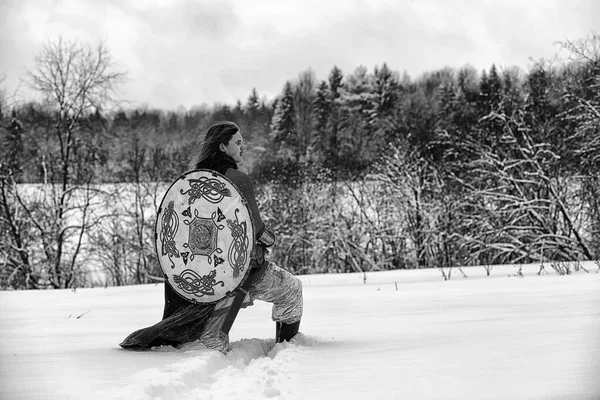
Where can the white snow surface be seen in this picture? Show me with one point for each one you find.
(399, 335)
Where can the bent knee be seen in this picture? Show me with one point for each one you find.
(293, 286)
(296, 300)
(297, 286)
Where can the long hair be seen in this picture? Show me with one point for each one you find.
(221, 132)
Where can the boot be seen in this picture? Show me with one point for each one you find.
(284, 332)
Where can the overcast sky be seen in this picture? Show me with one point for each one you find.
(189, 52)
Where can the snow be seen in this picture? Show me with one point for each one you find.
(399, 335)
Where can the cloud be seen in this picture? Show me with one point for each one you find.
(15, 42)
(188, 52)
(372, 36)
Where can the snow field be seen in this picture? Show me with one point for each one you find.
(400, 335)
(252, 369)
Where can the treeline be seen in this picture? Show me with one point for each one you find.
(356, 172)
(117, 147)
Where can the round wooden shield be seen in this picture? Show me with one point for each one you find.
(204, 236)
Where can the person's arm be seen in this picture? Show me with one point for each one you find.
(267, 238)
(244, 184)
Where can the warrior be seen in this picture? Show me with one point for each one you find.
(184, 321)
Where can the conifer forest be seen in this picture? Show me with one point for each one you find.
(356, 171)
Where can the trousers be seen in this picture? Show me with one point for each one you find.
(275, 285)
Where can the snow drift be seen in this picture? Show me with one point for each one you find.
(399, 335)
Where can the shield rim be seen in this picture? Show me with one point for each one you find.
(252, 248)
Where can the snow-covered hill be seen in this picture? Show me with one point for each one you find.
(400, 335)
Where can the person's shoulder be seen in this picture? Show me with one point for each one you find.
(238, 177)
(237, 173)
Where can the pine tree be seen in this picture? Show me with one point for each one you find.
(322, 107)
(304, 96)
(495, 87)
(252, 114)
(13, 149)
(467, 84)
(359, 116)
(335, 87)
(252, 105)
(484, 93)
(386, 96)
(490, 89)
(446, 134)
(386, 88)
(283, 123)
(511, 93)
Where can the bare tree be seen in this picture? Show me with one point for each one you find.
(414, 188)
(15, 264)
(75, 80)
(582, 95)
(519, 211)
